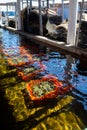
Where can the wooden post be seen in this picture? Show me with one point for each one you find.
(72, 20)
(16, 23)
(48, 4)
(7, 15)
(77, 36)
(19, 15)
(30, 5)
(27, 8)
(27, 15)
(40, 18)
(43, 3)
(62, 11)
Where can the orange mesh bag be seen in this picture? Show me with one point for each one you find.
(19, 60)
(12, 51)
(27, 72)
(17, 56)
(46, 88)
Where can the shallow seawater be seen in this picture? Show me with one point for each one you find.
(68, 111)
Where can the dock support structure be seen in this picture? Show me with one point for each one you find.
(40, 19)
(30, 5)
(19, 15)
(47, 4)
(72, 21)
(62, 11)
(7, 14)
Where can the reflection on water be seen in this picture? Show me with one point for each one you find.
(18, 112)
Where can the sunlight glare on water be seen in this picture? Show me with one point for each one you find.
(68, 111)
(10, 40)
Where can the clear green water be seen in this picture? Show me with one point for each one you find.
(18, 112)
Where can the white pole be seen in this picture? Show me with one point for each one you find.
(19, 14)
(22, 4)
(72, 20)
